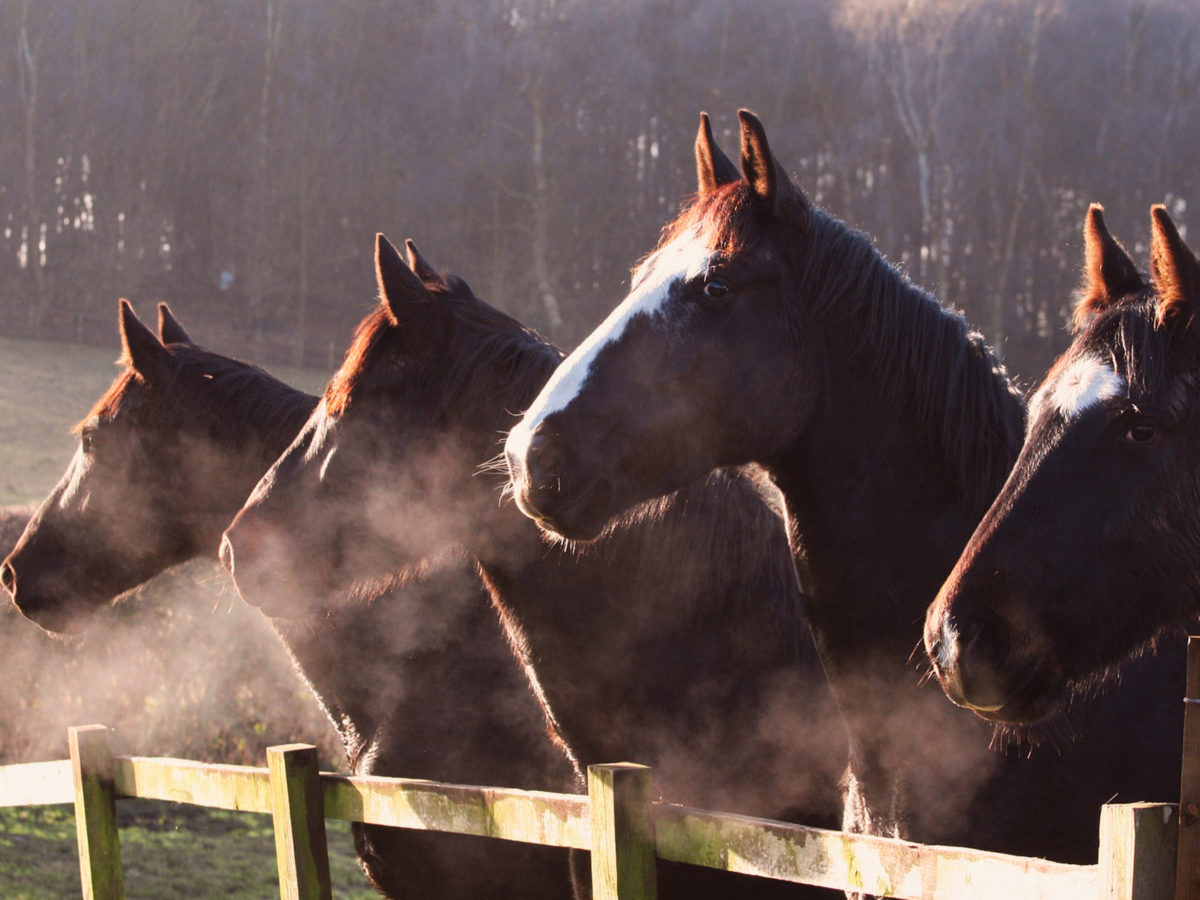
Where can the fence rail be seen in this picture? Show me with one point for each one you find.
(625, 832)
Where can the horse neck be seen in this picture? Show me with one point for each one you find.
(915, 430)
(272, 423)
(681, 573)
(390, 674)
(912, 437)
(238, 422)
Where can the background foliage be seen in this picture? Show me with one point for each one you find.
(236, 158)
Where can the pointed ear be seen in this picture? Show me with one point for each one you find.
(1174, 269)
(169, 329)
(766, 176)
(420, 266)
(398, 286)
(1109, 274)
(713, 167)
(140, 349)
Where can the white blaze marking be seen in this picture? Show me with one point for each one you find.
(684, 258)
(1085, 383)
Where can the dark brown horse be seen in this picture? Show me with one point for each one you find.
(763, 330)
(166, 458)
(676, 640)
(1091, 553)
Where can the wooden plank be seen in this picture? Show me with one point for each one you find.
(96, 813)
(299, 812)
(623, 854)
(37, 784)
(1187, 884)
(536, 817)
(245, 788)
(1137, 851)
(861, 863)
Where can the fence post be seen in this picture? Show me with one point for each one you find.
(298, 808)
(1137, 851)
(623, 853)
(1187, 883)
(96, 813)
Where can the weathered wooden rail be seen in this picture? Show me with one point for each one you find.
(1147, 851)
(617, 821)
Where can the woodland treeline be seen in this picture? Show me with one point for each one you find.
(236, 157)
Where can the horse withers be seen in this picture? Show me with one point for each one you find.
(1091, 553)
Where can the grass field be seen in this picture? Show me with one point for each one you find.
(168, 850)
(45, 388)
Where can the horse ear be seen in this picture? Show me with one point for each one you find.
(398, 285)
(140, 349)
(766, 176)
(420, 266)
(1109, 273)
(1174, 268)
(713, 167)
(169, 329)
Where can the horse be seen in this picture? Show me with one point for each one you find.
(1091, 552)
(677, 639)
(763, 331)
(166, 458)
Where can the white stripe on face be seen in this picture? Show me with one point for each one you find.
(1087, 382)
(684, 258)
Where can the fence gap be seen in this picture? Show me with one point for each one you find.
(96, 813)
(297, 805)
(623, 853)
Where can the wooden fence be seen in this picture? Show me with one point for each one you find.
(1147, 851)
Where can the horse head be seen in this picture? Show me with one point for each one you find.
(111, 521)
(660, 393)
(384, 474)
(1092, 548)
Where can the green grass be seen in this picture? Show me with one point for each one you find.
(45, 388)
(169, 851)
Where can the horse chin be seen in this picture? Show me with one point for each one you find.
(1037, 698)
(581, 518)
(60, 618)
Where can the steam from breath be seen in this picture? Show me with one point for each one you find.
(181, 667)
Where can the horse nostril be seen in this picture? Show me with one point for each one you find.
(987, 637)
(985, 647)
(544, 457)
(8, 577)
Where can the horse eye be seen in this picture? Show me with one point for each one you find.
(87, 440)
(715, 289)
(1141, 433)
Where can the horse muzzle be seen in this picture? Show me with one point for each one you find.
(977, 663)
(547, 491)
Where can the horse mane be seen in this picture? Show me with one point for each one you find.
(498, 364)
(917, 347)
(231, 397)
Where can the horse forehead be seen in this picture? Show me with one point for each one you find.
(1079, 385)
(687, 256)
(71, 492)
